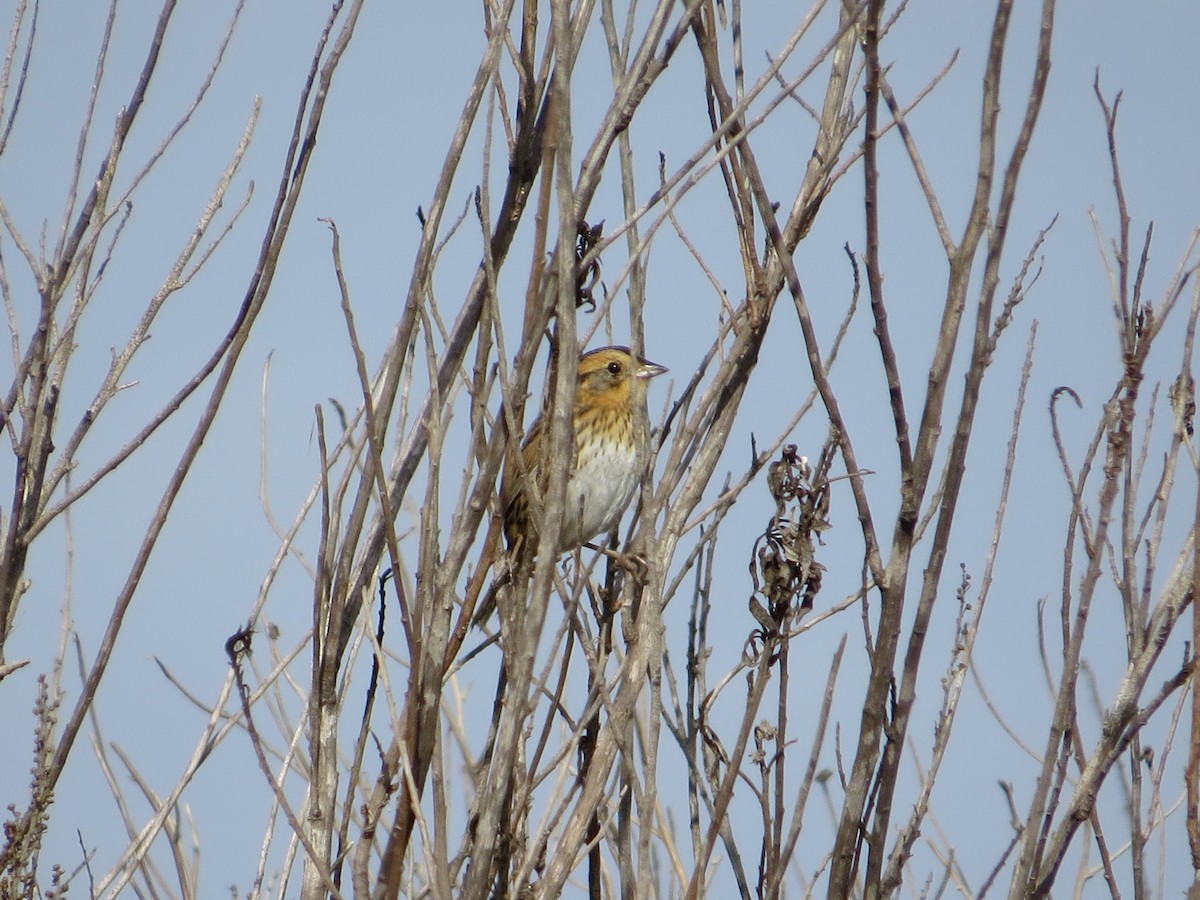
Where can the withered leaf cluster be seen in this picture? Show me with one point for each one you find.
(784, 567)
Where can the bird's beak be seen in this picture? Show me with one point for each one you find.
(648, 370)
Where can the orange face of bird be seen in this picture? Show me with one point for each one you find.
(612, 376)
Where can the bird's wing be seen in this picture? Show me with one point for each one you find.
(512, 486)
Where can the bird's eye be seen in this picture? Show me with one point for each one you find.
(614, 367)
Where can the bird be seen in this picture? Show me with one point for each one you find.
(611, 439)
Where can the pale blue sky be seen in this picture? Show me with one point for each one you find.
(391, 111)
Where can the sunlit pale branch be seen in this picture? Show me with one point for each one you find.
(175, 280)
(306, 125)
(410, 755)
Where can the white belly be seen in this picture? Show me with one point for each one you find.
(601, 487)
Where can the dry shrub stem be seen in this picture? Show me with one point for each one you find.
(570, 781)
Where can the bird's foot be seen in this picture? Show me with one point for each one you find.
(634, 564)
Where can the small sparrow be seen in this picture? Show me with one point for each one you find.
(612, 437)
